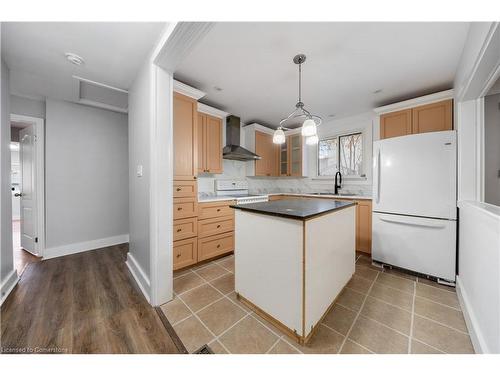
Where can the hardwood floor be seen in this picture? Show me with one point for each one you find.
(81, 303)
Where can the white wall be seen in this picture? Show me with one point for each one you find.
(479, 224)
(150, 200)
(6, 260)
(492, 149)
(86, 177)
(139, 129)
(28, 107)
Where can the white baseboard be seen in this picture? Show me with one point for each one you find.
(470, 320)
(79, 247)
(139, 275)
(8, 284)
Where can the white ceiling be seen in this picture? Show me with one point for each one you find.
(346, 62)
(113, 53)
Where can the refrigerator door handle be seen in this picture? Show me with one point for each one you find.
(403, 222)
(377, 177)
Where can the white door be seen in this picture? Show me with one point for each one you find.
(416, 175)
(418, 244)
(27, 158)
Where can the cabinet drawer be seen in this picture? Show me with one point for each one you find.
(185, 228)
(213, 246)
(184, 189)
(185, 207)
(210, 227)
(214, 209)
(185, 253)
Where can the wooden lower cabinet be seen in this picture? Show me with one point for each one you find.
(185, 252)
(208, 233)
(210, 247)
(364, 226)
(185, 207)
(210, 227)
(185, 228)
(363, 219)
(185, 189)
(214, 209)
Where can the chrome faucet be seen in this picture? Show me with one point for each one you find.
(338, 182)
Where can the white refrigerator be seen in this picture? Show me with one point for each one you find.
(414, 220)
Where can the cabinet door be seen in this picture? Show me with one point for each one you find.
(433, 117)
(213, 144)
(185, 137)
(283, 158)
(395, 124)
(364, 226)
(201, 143)
(185, 253)
(264, 147)
(295, 158)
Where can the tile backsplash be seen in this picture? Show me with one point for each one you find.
(304, 185)
(264, 185)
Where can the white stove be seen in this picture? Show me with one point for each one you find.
(237, 189)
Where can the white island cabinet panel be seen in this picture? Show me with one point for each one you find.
(269, 265)
(329, 261)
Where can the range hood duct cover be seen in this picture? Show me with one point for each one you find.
(233, 150)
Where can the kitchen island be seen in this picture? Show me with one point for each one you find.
(293, 258)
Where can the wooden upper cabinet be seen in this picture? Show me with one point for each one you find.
(267, 150)
(433, 117)
(395, 124)
(209, 144)
(185, 137)
(213, 135)
(201, 144)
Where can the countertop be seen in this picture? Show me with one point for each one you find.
(214, 198)
(295, 208)
(356, 197)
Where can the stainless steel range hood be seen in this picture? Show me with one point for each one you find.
(233, 150)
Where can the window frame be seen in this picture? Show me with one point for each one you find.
(361, 176)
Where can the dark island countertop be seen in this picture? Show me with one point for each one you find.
(299, 209)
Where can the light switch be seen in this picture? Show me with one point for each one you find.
(139, 171)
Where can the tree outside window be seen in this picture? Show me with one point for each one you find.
(343, 153)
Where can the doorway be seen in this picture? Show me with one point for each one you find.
(27, 187)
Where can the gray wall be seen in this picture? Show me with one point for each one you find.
(492, 149)
(27, 107)
(6, 254)
(139, 120)
(86, 173)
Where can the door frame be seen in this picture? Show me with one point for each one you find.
(39, 126)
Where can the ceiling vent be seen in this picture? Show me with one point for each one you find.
(99, 95)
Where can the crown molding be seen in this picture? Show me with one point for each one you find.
(212, 111)
(261, 128)
(187, 90)
(427, 99)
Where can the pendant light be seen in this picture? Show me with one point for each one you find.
(279, 136)
(311, 122)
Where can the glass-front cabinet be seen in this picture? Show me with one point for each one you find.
(290, 156)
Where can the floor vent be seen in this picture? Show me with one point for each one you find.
(205, 349)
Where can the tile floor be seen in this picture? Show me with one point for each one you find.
(377, 312)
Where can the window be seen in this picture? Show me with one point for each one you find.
(343, 153)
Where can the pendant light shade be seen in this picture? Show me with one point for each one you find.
(308, 128)
(279, 136)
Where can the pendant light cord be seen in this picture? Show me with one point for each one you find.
(300, 82)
